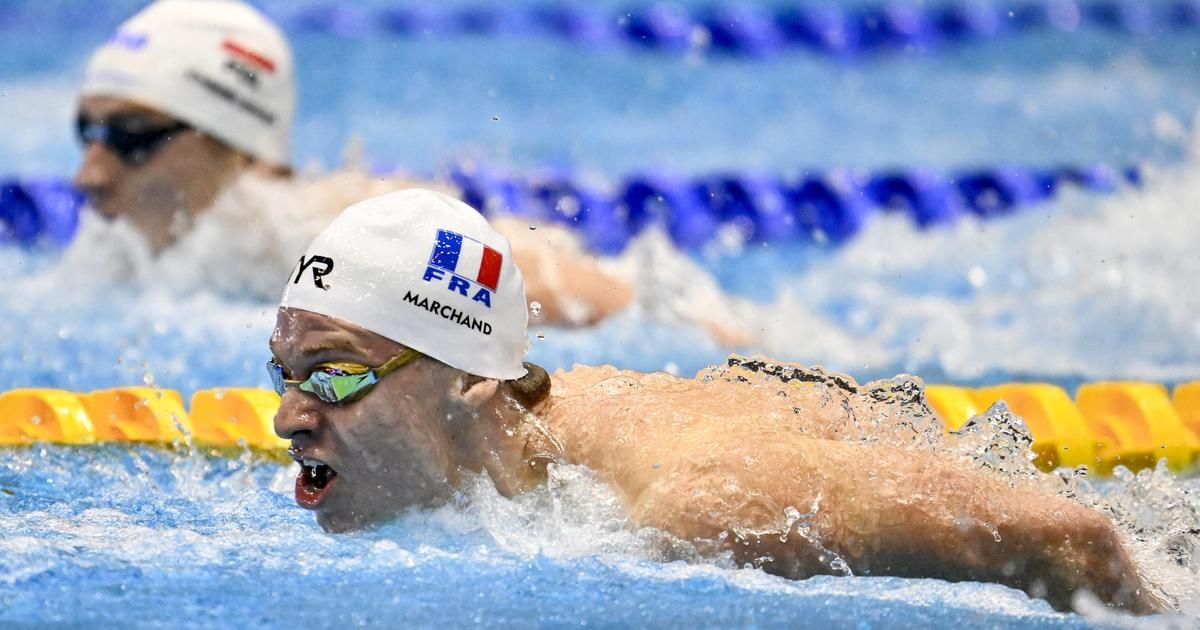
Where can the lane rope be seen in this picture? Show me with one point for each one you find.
(749, 31)
(1111, 423)
(725, 27)
(823, 208)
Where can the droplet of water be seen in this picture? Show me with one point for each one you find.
(977, 277)
(535, 308)
(790, 516)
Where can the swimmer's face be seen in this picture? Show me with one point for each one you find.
(366, 461)
(162, 193)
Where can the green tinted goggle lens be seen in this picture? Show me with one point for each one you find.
(334, 385)
(338, 387)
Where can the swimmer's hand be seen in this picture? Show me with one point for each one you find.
(1087, 555)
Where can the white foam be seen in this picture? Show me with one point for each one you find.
(1090, 286)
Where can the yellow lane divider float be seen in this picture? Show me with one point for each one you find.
(225, 417)
(137, 414)
(1186, 400)
(44, 415)
(221, 418)
(1108, 424)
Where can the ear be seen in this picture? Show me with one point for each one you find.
(474, 392)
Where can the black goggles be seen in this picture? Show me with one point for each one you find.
(130, 137)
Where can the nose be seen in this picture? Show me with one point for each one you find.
(99, 171)
(298, 415)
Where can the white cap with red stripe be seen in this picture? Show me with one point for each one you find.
(425, 270)
(218, 65)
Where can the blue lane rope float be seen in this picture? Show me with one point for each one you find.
(730, 27)
(825, 208)
(38, 210)
(746, 30)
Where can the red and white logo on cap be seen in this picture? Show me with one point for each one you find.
(257, 61)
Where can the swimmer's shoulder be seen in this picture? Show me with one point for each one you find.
(607, 380)
(744, 393)
(737, 371)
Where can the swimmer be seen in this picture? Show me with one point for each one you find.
(183, 99)
(398, 353)
(185, 116)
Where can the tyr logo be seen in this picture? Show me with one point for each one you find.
(321, 266)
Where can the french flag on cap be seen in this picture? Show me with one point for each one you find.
(466, 257)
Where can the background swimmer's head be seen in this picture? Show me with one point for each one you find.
(411, 269)
(186, 96)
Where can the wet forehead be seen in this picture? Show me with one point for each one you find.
(102, 107)
(300, 335)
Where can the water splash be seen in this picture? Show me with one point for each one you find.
(1159, 515)
(888, 411)
(999, 441)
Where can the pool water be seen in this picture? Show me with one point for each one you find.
(1080, 288)
(162, 540)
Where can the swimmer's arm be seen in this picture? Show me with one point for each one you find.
(886, 511)
(573, 288)
(567, 282)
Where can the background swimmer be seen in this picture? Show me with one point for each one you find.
(183, 99)
(185, 116)
(765, 472)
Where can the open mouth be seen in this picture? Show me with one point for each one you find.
(313, 483)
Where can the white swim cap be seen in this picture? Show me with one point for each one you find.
(424, 270)
(218, 65)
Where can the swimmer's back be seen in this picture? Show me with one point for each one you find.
(637, 426)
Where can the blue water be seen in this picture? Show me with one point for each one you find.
(127, 535)
(1041, 99)
(1082, 288)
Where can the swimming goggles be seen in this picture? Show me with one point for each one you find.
(339, 382)
(131, 137)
